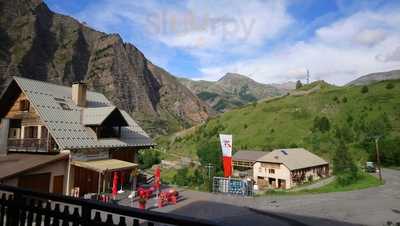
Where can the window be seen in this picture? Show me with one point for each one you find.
(259, 170)
(31, 132)
(64, 106)
(24, 105)
(271, 171)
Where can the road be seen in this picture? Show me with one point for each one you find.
(372, 206)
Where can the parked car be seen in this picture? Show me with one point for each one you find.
(370, 167)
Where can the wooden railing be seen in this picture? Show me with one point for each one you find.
(21, 207)
(28, 144)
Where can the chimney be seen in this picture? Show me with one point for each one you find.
(79, 93)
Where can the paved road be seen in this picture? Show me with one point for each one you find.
(373, 206)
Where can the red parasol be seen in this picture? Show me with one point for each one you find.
(157, 178)
(115, 185)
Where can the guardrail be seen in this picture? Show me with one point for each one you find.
(22, 207)
(31, 144)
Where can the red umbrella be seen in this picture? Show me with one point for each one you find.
(115, 184)
(157, 178)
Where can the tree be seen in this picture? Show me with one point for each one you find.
(321, 124)
(364, 89)
(324, 124)
(343, 165)
(209, 151)
(149, 158)
(299, 84)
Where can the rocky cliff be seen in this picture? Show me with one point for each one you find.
(40, 44)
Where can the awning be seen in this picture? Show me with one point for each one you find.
(106, 165)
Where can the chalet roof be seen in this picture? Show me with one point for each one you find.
(14, 164)
(96, 115)
(66, 122)
(294, 158)
(245, 155)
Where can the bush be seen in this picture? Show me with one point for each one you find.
(364, 89)
(321, 124)
(346, 178)
(389, 86)
(344, 100)
(148, 158)
(181, 177)
(299, 84)
(310, 178)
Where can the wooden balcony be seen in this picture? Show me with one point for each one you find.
(28, 145)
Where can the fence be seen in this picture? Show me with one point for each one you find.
(21, 207)
(233, 186)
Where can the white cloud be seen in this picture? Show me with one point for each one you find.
(362, 43)
(205, 25)
(231, 35)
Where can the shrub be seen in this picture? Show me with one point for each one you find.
(148, 158)
(364, 89)
(299, 84)
(344, 99)
(321, 124)
(389, 86)
(181, 177)
(346, 178)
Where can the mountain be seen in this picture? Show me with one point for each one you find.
(231, 91)
(308, 120)
(376, 77)
(40, 44)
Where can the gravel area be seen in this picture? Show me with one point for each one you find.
(372, 206)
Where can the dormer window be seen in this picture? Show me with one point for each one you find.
(64, 106)
(24, 105)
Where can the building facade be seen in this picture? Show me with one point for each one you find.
(286, 168)
(55, 138)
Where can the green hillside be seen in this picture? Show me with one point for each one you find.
(309, 121)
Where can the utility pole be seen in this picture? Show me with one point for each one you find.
(378, 160)
(308, 76)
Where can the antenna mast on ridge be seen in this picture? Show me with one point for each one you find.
(308, 76)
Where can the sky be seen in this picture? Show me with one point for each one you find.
(269, 41)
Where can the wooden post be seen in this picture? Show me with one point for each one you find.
(99, 184)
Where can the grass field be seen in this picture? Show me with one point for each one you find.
(366, 181)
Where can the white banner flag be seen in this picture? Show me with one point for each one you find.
(226, 144)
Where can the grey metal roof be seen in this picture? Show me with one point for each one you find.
(96, 115)
(66, 126)
(248, 155)
(294, 158)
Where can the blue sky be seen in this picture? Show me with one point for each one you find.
(270, 41)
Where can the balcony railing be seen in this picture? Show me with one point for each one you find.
(27, 144)
(21, 207)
